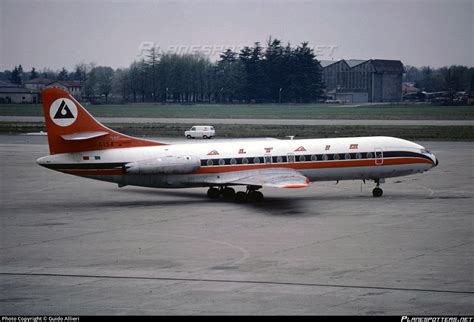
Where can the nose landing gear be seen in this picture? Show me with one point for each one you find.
(378, 192)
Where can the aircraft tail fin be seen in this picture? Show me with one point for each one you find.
(72, 129)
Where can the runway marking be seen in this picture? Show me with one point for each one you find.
(245, 253)
(238, 281)
(431, 191)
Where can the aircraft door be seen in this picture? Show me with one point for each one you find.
(290, 157)
(267, 158)
(378, 156)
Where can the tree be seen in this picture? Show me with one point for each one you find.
(33, 73)
(256, 87)
(63, 75)
(456, 78)
(306, 77)
(275, 68)
(230, 77)
(80, 73)
(49, 74)
(412, 74)
(17, 75)
(90, 83)
(103, 75)
(120, 86)
(152, 63)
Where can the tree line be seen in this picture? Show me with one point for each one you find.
(271, 73)
(274, 73)
(450, 79)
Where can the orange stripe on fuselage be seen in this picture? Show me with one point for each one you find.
(296, 166)
(312, 165)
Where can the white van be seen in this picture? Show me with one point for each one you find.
(200, 131)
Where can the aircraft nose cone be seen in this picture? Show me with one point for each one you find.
(42, 161)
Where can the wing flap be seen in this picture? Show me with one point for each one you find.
(270, 177)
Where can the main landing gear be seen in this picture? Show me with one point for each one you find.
(378, 192)
(228, 193)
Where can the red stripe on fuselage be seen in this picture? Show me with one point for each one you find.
(313, 165)
(296, 166)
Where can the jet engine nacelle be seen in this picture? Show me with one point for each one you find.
(164, 165)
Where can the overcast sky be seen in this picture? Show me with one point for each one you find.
(57, 34)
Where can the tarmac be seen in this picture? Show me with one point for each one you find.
(70, 245)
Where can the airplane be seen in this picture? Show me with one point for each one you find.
(80, 145)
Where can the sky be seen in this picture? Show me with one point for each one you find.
(56, 34)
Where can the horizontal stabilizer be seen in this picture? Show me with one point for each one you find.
(79, 136)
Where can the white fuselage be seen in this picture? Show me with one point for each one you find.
(317, 159)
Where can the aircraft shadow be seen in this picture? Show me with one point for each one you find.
(270, 205)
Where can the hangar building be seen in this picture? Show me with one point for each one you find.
(361, 81)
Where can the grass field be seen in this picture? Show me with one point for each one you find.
(276, 111)
(436, 133)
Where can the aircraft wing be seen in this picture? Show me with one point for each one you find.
(270, 177)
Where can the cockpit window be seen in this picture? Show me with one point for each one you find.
(425, 151)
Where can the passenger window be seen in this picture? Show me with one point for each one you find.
(358, 155)
(302, 158)
(369, 155)
(336, 157)
(279, 159)
(245, 161)
(268, 159)
(347, 156)
(233, 161)
(324, 157)
(256, 160)
(314, 157)
(221, 162)
(291, 158)
(209, 162)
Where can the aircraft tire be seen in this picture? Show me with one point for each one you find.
(377, 192)
(240, 197)
(255, 196)
(213, 193)
(228, 193)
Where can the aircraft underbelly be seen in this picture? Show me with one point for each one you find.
(327, 174)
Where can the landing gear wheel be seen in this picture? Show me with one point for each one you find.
(213, 193)
(255, 196)
(228, 193)
(241, 197)
(377, 192)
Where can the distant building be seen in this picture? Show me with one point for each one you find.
(8, 84)
(409, 88)
(10, 93)
(30, 92)
(73, 87)
(361, 81)
(38, 83)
